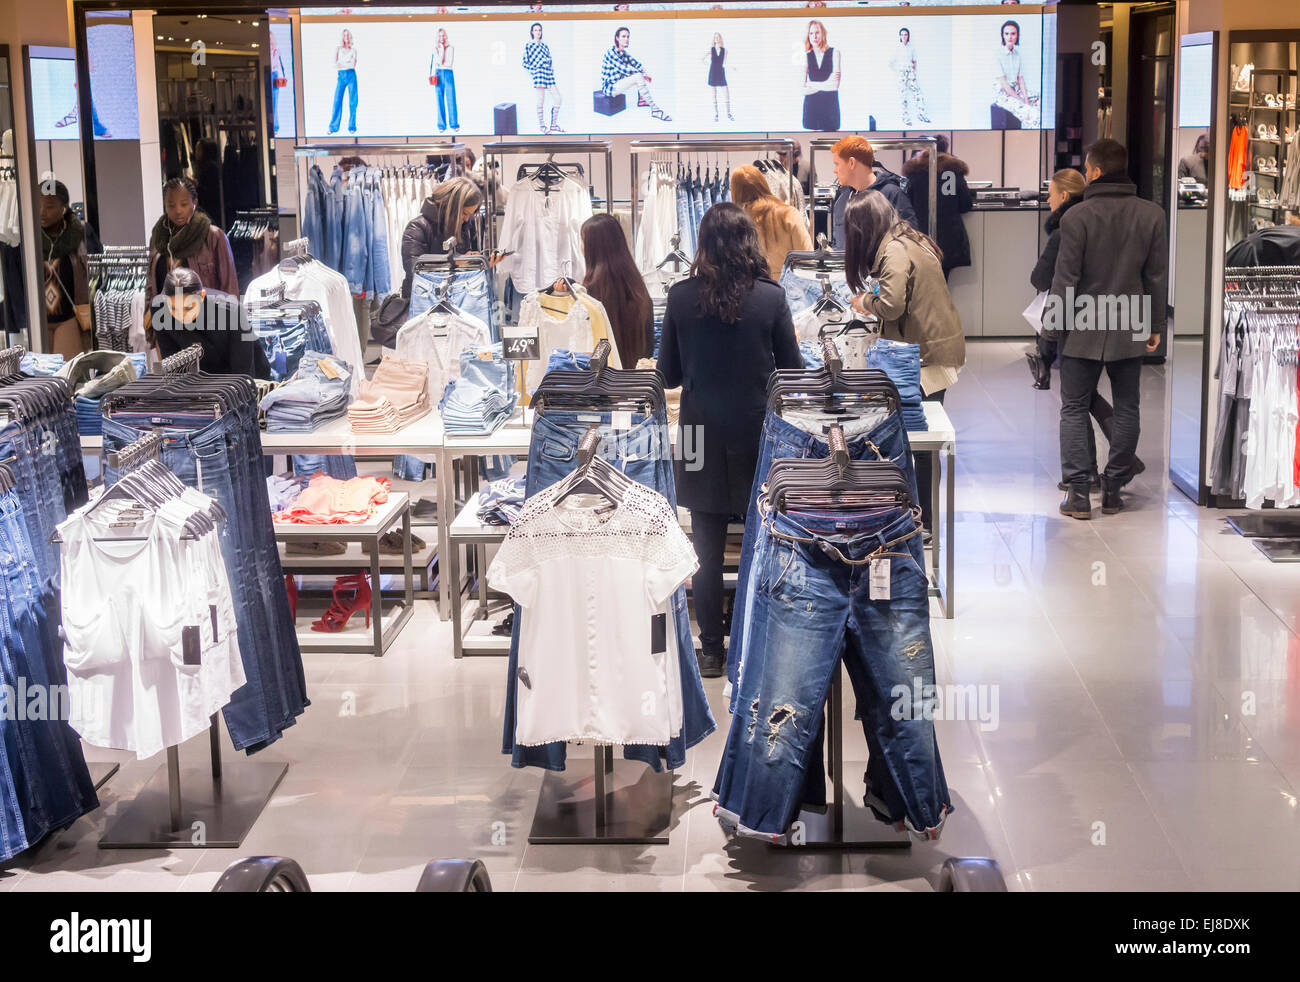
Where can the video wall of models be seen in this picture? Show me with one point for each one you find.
(284, 111)
(415, 76)
(115, 114)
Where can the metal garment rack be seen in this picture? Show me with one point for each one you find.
(623, 803)
(681, 147)
(493, 151)
(219, 815)
(909, 143)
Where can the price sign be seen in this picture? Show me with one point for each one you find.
(520, 343)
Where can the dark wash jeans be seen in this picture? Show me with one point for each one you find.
(810, 606)
(643, 453)
(782, 439)
(224, 460)
(1079, 378)
(51, 785)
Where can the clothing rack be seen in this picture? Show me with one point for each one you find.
(910, 143)
(493, 151)
(184, 362)
(784, 147)
(625, 805)
(11, 360)
(220, 816)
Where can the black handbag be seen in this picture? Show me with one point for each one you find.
(388, 321)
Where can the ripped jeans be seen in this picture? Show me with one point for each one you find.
(812, 603)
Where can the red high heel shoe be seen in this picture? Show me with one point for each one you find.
(291, 588)
(336, 618)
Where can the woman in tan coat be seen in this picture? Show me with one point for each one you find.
(781, 229)
(910, 297)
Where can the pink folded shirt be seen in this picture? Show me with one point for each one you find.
(329, 501)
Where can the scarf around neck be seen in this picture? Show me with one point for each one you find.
(182, 242)
(66, 241)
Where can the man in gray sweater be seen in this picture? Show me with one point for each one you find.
(1107, 308)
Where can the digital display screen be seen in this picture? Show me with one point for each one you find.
(421, 74)
(1194, 80)
(116, 114)
(282, 79)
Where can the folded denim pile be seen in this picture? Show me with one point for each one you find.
(315, 394)
(396, 396)
(284, 490)
(36, 363)
(502, 501)
(94, 374)
(484, 396)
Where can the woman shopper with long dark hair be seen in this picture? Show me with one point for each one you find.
(726, 329)
(185, 236)
(613, 279)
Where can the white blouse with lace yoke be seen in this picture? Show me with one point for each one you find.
(591, 577)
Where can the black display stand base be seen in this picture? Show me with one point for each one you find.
(623, 803)
(217, 812)
(1279, 550)
(1267, 525)
(100, 773)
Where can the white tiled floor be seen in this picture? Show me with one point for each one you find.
(1148, 718)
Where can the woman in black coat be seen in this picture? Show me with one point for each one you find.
(726, 329)
(949, 229)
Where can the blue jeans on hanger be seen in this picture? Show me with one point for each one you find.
(347, 82)
(447, 113)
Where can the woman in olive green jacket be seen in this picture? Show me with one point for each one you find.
(911, 299)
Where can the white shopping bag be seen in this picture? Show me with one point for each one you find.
(1034, 312)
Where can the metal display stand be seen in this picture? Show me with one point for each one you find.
(910, 143)
(100, 773)
(680, 147)
(552, 149)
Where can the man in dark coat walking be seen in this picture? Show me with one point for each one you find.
(953, 198)
(1107, 308)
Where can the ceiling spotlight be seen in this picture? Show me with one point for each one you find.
(255, 44)
(256, 23)
(160, 37)
(187, 40)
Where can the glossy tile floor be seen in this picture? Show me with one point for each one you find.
(1135, 721)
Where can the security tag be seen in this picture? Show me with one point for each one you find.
(190, 648)
(212, 613)
(523, 677)
(658, 634)
(879, 579)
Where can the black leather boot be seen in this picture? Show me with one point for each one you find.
(1111, 502)
(1105, 426)
(1077, 504)
(1041, 372)
(713, 666)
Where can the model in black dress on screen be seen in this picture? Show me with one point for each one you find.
(717, 59)
(821, 101)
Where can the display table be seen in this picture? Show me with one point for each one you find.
(387, 614)
(511, 439)
(940, 441)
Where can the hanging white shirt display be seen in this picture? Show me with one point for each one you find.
(439, 338)
(316, 281)
(150, 638)
(590, 577)
(542, 227)
(573, 332)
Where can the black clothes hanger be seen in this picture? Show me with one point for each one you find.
(600, 387)
(594, 474)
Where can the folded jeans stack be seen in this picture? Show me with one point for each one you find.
(397, 395)
(329, 501)
(502, 501)
(316, 393)
(483, 398)
(897, 359)
(92, 376)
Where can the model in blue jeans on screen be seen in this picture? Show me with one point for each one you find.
(345, 60)
(444, 79)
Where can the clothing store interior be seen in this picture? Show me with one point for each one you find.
(345, 313)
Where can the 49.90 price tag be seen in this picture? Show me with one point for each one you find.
(520, 344)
